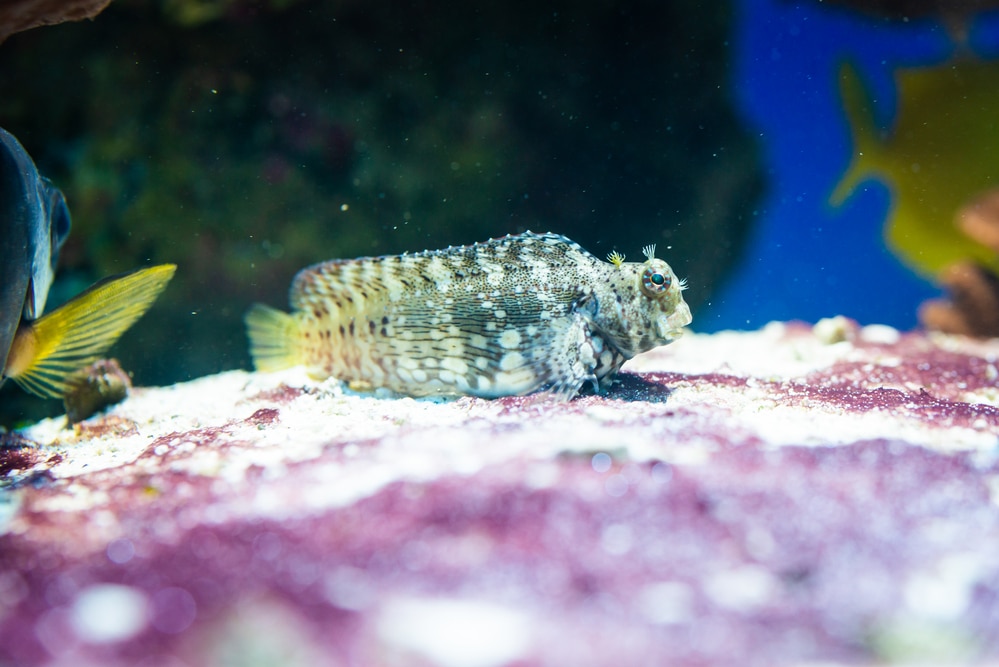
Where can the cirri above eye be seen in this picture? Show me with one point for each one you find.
(655, 282)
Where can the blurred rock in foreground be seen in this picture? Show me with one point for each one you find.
(790, 496)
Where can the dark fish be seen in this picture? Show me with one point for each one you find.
(34, 222)
(42, 353)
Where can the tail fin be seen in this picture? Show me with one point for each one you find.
(47, 351)
(274, 338)
(860, 117)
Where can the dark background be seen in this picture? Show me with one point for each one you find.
(246, 140)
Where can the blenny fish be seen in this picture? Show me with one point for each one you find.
(42, 353)
(510, 316)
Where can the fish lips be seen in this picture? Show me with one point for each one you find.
(671, 326)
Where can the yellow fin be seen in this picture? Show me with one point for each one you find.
(47, 351)
(274, 338)
(860, 115)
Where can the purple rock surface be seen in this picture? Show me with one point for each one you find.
(790, 496)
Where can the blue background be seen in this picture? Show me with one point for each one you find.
(805, 259)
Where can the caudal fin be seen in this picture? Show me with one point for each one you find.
(46, 352)
(274, 338)
(860, 116)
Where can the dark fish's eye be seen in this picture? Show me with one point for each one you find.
(655, 282)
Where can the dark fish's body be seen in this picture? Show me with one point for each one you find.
(511, 316)
(34, 222)
(41, 353)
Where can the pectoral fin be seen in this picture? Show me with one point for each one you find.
(46, 352)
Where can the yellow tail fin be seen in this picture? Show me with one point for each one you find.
(860, 116)
(274, 338)
(47, 351)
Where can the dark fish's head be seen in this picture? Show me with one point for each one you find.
(34, 222)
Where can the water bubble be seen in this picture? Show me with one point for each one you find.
(601, 462)
(174, 609)
(120, 551)
(108, 613)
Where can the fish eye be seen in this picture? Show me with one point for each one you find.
(655, 282)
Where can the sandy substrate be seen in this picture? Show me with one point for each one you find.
(792, 496)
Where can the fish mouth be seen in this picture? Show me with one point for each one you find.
(671, 326)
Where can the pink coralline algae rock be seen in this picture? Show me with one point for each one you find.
(796, 495)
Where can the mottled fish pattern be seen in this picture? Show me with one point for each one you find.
(511, 316)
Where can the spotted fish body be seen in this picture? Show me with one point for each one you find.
(511, 316)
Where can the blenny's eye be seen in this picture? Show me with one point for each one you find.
(655, 282)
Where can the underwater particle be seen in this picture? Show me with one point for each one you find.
(99, 385)
(938, 153)
(511, 316)
(973, 305)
